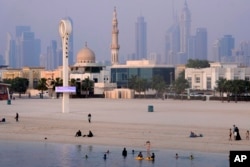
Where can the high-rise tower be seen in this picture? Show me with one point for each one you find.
(141, 38)
(114, 44)
(28, 48)
(227, 44)
(185, 28)
(10, 57)
(201, 44)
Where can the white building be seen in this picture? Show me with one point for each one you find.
(205, 78)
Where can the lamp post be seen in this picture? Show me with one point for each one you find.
(65, 29)
(170, 74)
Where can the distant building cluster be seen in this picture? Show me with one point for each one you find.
(24, 49)
(23, 58)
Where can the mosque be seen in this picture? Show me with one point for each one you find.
(86, 67)
(108, 80)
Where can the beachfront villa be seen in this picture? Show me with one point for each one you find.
(205, 78)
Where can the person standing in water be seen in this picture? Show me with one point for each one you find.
(124, 152)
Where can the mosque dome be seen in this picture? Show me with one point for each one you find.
(85, 55)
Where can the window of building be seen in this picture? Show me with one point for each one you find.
(189, 82)
(209, 83)
(197, 79)
(247, 78)
(236, 77)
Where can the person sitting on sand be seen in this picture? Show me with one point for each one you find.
(90, 134)
(78, 133)
(192, 134)
(3, 120)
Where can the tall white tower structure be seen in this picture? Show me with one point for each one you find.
(65, 29)
(185, 28)
(114, 44)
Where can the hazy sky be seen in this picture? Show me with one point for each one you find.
(93, 21)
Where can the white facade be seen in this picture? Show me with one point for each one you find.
(205, 78)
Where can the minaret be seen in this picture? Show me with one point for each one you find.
(185, 28)
(114, 45)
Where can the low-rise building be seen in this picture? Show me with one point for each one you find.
(206, 78)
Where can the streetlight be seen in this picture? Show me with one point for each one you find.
(170, 78)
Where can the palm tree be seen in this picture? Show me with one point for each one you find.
(55, 83)
(72, 83)
(221, 86)
(87, 86)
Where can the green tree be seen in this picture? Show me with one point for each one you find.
(180, 84)
(87, 86)
(197, 63)
(222, 86)
(132, 82)
(159, 85)
(42, 86)
(73, 83)
(19, 85)
(55, 83)
(138, 84)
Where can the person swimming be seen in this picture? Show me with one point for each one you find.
(176, 156)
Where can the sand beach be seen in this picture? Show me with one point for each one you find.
(127, 123)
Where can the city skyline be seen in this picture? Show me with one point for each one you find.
(92, 24)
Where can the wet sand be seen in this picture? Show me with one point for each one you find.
(127, 123)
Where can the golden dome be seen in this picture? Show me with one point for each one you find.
(85, 55)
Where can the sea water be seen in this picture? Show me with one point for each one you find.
(46, 154)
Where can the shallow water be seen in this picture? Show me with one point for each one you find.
(42, 154)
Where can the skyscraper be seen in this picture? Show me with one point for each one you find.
(185, 28)
(28, 48)
(52, 61)
(172, 46)
(141, 38)
(21, 29)
(10, 57)
(114, 44)
(191, 52)
(227, 44)
(216, 51)
(201, 44)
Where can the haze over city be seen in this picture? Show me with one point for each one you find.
(92, 21)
